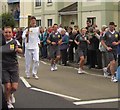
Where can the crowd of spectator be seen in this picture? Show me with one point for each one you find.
(95, 54)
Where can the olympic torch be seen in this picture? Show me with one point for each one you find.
(28, 28)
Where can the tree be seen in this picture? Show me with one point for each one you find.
(7, 20)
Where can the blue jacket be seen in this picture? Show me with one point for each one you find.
(65, 41)
(43, 38)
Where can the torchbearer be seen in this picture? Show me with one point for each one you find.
(31, 47)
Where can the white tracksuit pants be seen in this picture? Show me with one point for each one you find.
(31, 55)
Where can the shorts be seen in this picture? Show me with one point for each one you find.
(112, 55)
(82, 53)
(10, 75)
(54, 51)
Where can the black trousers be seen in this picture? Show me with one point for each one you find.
(70, 53)
(88, 58)
(99, 59)
(64, 56)
(92, 58)
(44, 51)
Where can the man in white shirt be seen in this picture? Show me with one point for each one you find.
(32, 47)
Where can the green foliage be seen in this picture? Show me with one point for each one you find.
(7, 20)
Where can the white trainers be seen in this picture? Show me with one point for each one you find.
(28, 77)
(12, 98)
(52, 68)
(10, 106)
(35, 76)
(105, 72)
(113, 79)
(80, 71)
(55, 67)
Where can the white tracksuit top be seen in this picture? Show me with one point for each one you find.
(33, 38)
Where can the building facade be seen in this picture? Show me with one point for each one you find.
(49, 12)
(99, 12)
(3, 6)
(45, 11)
(11, 6)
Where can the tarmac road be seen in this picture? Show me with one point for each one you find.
(66, 89)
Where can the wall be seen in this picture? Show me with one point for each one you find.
(112, 13)
(4, 6)
(66, 20)
(25, 10)
(53, 17)
(97, 14)
(0, 7)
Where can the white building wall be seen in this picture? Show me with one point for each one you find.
(92, 14)
(53, 17)
(49, 6)
(4, 6)
(65, 4)
(38, 17)
(116, 18)
(25, 10)
(38, 9)
(66, 20)
(90, 3)
(28, 8)
(73, 18)
(0, 7)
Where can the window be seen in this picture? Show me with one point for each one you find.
(16, 14)
(92, 19)
(37, 3)
(49, 1)
(38, 22)
(49, 22)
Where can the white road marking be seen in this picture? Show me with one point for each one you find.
(93, 74)
(97, 101)
(56, 94)
(68, 67)
(43, 62)
(96, 75)
(53, 93)
(25, 82)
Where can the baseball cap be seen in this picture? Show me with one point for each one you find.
(112, 23)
